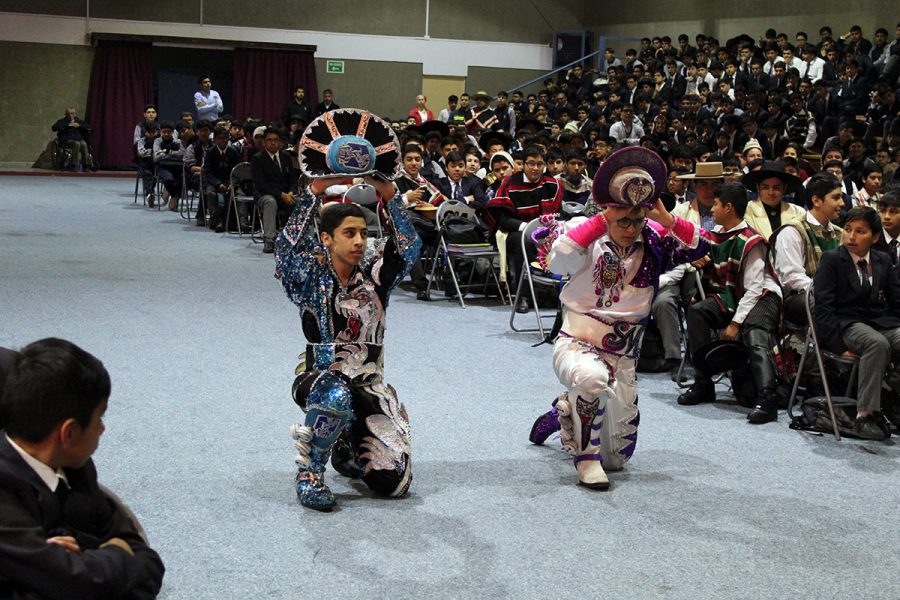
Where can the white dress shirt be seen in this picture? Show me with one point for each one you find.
(756, 280)
(789, 249)
(625, 134)
(48, 475)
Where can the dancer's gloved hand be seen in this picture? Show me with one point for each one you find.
(661, 215)
(318, 186)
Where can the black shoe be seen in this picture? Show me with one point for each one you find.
(220, 228)
(522, 306)
(765, 410)
(703, 390)
(882, 422)
(423, 296)
(867, 428)
(268, 247)
(201, 222)
(890, 408)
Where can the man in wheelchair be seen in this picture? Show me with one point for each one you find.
(73, 135)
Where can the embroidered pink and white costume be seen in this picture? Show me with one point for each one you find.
(606, 304)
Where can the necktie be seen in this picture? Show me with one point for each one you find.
(893, 248)
(62, 492)
(456, 192)
(277, 162)
(866, 285)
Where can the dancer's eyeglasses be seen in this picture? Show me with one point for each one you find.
(626, 222)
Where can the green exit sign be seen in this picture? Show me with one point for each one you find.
(335, 66)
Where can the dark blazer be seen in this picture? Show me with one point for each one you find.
(217, 168)
(754, 84)
(854, 96)
(321, 108)
(882, 246)
(294, 108)
(30, 514)
(6, 358)
(679, 86)
(772, 151)
(268, 180)
(840, 301)
(470, 186)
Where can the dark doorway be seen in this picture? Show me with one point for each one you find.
(176, 72)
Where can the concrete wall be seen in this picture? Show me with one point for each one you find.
(726, 20)
(493, 80)
(459, 19)
(38, 81)
(387, 89)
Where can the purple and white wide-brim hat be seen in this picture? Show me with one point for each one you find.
(349, 142)
(633, 176)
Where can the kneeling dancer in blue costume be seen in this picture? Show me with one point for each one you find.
(613, 262)
(342, 290)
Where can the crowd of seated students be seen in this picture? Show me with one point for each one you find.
(753, 131)
(198, 155)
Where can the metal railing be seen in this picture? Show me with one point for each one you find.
(601, 49)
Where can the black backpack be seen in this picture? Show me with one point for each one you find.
(460, 230)
(814, 416)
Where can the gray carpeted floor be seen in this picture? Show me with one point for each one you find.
(201, 344)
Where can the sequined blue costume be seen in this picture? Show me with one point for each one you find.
(341, 389)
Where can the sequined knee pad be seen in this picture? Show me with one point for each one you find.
(328, 403)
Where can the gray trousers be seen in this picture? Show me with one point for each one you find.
(665, 313)
(875, 348)
(80, 152)
(268, 206)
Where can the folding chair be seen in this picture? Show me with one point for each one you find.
(173, 166)
(240, 175)
(366, 197)
(812, 343)
(533, 276)
(451, 252)
(186, 204)
(686, 355)
(137, 184)
(153, 187)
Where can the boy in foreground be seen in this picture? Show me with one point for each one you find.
(61, 536)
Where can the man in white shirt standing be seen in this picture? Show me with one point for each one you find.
(207, 100)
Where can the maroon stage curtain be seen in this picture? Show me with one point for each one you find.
(121, 84)
(265, 80)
